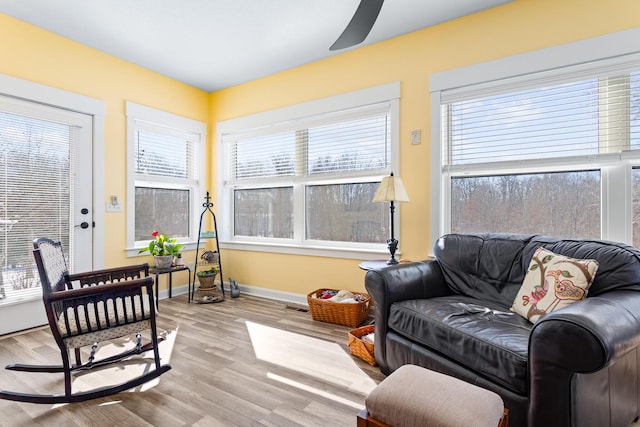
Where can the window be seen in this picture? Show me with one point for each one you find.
(552, 152)
(166, 168)
(553, 204)
(305, 177)
(264, 212)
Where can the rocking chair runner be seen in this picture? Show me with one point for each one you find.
(107, 304)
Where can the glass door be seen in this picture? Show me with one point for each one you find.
(45, 191)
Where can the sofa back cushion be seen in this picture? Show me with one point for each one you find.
(487, 267)
(619, 264)
(491, 267)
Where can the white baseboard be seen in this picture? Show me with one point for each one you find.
(286, 297)
(274, 294)
(246, 289)
(175, 290)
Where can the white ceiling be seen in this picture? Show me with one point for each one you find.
(214, 44)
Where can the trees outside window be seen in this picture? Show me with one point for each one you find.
(554, 204)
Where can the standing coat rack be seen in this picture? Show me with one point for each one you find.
(208, 235)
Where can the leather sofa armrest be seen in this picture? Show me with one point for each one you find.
(582, 338)
(405, 282)
(402, 282)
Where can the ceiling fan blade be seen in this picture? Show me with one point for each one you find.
(360, 24)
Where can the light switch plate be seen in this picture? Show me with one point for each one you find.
(114, 207)
(415, 137)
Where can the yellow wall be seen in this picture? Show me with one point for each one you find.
(36, 55)
(514, 28)
(39, 56)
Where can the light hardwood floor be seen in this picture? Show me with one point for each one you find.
(243, 362)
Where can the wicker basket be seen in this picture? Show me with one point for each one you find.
(348, 314)
(360, 348)
(207, 282)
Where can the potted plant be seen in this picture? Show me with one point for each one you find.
(163, 249)
(207, 277)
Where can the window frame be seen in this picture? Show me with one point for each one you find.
(568, 61)
(140, 117)
(389, 93)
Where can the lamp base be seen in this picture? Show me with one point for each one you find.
(392, 244)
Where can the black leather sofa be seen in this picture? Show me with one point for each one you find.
(577, 366)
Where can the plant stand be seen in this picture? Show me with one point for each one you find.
(207, 291)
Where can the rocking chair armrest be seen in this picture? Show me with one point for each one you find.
(103, 289)
(110, 274)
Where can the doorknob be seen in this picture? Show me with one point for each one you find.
(83, 224)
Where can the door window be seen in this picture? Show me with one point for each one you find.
(45, 191)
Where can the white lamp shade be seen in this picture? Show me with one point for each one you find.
(391, 189)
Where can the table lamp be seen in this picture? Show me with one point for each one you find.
(391, 189)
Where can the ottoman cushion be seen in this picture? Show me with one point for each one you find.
(413, 396)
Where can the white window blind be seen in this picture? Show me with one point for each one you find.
(35, 196)
(263, 156)
(634, 99)
(169, 154)
(593, 116)
(356, 142)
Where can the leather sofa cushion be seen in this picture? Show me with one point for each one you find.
(491, 267)
(618, 264)
(487, 339)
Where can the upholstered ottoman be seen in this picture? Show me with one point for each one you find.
(413, 396)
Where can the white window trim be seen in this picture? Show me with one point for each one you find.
(136, 112)
(384, 93)
(580, 55)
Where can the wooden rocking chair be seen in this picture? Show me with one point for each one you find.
(105, 305)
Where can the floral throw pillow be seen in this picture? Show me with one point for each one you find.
(553, 281)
